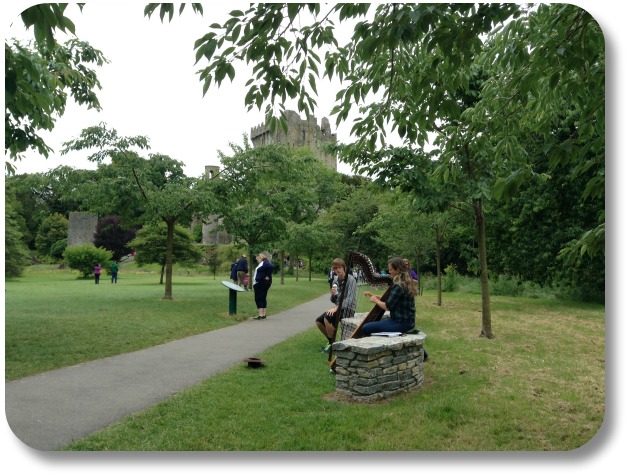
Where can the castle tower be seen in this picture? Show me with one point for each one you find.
(301, 133)
(81, 228)
(211, 171)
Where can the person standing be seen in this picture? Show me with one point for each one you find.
(114, 272)
(325, 322)
(411, 272)
(97, 270)
(262, 281)
(330, 277)
(234, 273)
(242, 268)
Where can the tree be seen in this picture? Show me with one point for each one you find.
(263, 189)
(151, 246)
(307, 239)
(553, 213)
(147, 191)
(348, 220)
(421, 69)
(52, 229)
(210, 258)
(40, 195)
(39, 78)
(16, 256)
(111, 236)
(551, 69)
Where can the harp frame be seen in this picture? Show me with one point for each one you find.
(373, 278)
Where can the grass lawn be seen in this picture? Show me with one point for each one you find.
(54, 319)
(539, 385)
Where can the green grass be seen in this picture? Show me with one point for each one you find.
(539, 385)
(55, 319)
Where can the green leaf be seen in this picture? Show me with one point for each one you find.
(313, 83)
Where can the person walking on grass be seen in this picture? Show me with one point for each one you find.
(97, 270)
(114, 272)
(325, 322)
(234, 273)
(242, 268)
(262, 281)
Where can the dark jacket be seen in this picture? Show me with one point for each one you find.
(242, 265)
(234, 275)
(263, 272)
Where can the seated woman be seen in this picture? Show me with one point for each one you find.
(400, 302)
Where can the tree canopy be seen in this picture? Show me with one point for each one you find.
(39, 78)
(474, 82)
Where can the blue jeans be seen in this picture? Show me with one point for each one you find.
(387, 325)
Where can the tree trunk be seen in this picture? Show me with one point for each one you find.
(439, 275)
(252, 265)
(417, 261)
(161, 275)
(169, 249)
(486, 299)
(282, 257)
(297, 263)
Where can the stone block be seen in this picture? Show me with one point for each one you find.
(373, 368)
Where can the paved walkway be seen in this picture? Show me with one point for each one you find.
(50, 410)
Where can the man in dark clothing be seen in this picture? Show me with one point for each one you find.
(234, 273)
(242, 267)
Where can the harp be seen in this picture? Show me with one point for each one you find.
(375, 279)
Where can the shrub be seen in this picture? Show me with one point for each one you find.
(56, 250)
(451, 279)
(83, 258)
(51, 230)
(503, 285)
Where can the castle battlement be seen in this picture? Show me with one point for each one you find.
(301, 133)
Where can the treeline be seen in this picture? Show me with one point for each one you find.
(282, 199)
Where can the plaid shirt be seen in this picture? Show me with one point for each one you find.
(401, 305)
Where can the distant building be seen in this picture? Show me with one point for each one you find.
(301, 133)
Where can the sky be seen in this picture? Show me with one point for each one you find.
(150, 88)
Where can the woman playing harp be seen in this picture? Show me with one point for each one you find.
(343, 295)
(399, 302)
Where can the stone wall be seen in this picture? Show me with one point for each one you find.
(375, 368)
(81, 228)
(301, 133)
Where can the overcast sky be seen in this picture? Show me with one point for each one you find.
(150, 88)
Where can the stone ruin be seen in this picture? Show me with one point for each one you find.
(301, 133)
(81, 228)
(210, 233)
